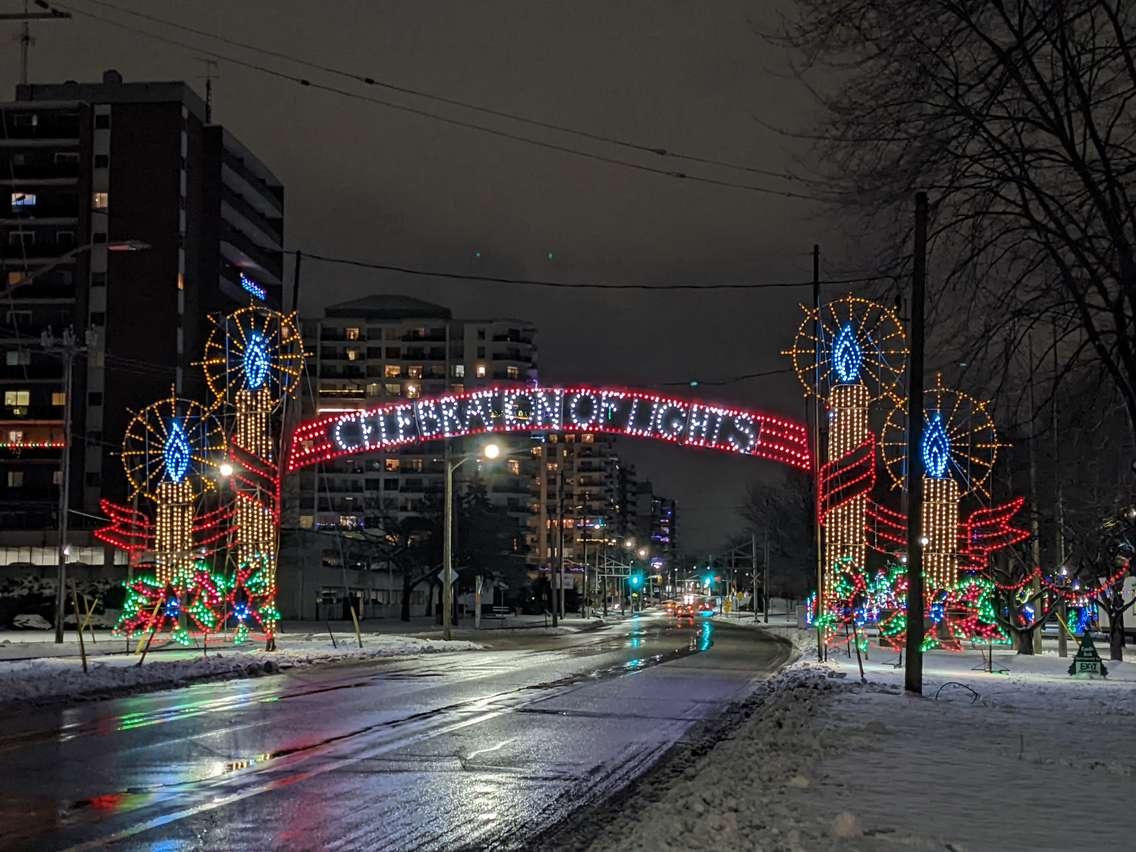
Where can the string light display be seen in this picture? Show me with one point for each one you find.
(959, 446)
(850, 352)
(510, 409)
(170, 454)
(253, 360)
(940, 532)
(32, 445)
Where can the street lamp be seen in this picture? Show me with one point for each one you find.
(489, 452)
(225, 469)
(116, 246)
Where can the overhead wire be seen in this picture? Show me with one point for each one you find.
(368, 80)
(468, 125)
(583, 285)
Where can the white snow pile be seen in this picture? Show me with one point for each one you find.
(44, 680)
(817, 760)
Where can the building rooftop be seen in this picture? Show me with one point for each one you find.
(112, 90)
(391, 307)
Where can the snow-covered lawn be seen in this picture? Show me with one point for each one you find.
(1031, 759)
(47, 679)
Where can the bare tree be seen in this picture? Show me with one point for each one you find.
(1018, 118)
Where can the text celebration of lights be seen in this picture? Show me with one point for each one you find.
(580, 409)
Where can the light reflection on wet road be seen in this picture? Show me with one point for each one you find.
(446, 751)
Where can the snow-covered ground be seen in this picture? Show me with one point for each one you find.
(115, 672)
(1026, 759)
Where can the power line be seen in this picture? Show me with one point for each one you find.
(578, 285)
(468, 125)
(367, 80)
(745, 377)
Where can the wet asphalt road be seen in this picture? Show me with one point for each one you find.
(467, 750)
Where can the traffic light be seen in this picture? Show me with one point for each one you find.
(635, 580)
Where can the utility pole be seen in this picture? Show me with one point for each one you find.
(913, 673)
(765, 582)
(816, 449)
(558, 599)
(25, 37)
(67, 347)
(584, 603)
(1059, 527)
(1034, 589)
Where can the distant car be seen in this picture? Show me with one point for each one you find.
(706, 608)
(683, 611)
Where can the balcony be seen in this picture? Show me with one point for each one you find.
(247, 253)
(431, 336)
(39, 172)
(273, 227)
(511, 355)
(270, 194)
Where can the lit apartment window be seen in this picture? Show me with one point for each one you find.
(17, 357)
(457, 388)
(394, 389)
(392, 371)
(100, 200)
(414, 372)
(374, 389)
(57, 477)
(15, 478)
(392, 464)
(587, 438)
(412, 391)
(348, 521)
(515, 467)
(512, 372)
(13, 398)
(15, 278)
(459, 371)
(23, 199)
(352, 354)
(351, 333)
(15, 436)
(480, 371)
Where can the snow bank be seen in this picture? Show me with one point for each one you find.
(816, 760)
(44, 680)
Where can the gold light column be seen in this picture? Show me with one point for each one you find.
(940, 530)
(845, 537)
(173, 532)
(256, 524)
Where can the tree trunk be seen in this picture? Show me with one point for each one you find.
(1116, 635)
(404, 609)
(1025, 641)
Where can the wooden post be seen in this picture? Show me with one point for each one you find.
(79, 624)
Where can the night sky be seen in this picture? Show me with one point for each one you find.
(364, 182)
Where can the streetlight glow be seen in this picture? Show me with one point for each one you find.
(491, 451)
(225, 469)
(642, 553)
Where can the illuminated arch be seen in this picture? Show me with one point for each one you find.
(615, 411)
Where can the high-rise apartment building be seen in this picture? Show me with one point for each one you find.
(579, 488)
(127, 216)
(654, 521)
(383, 349)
